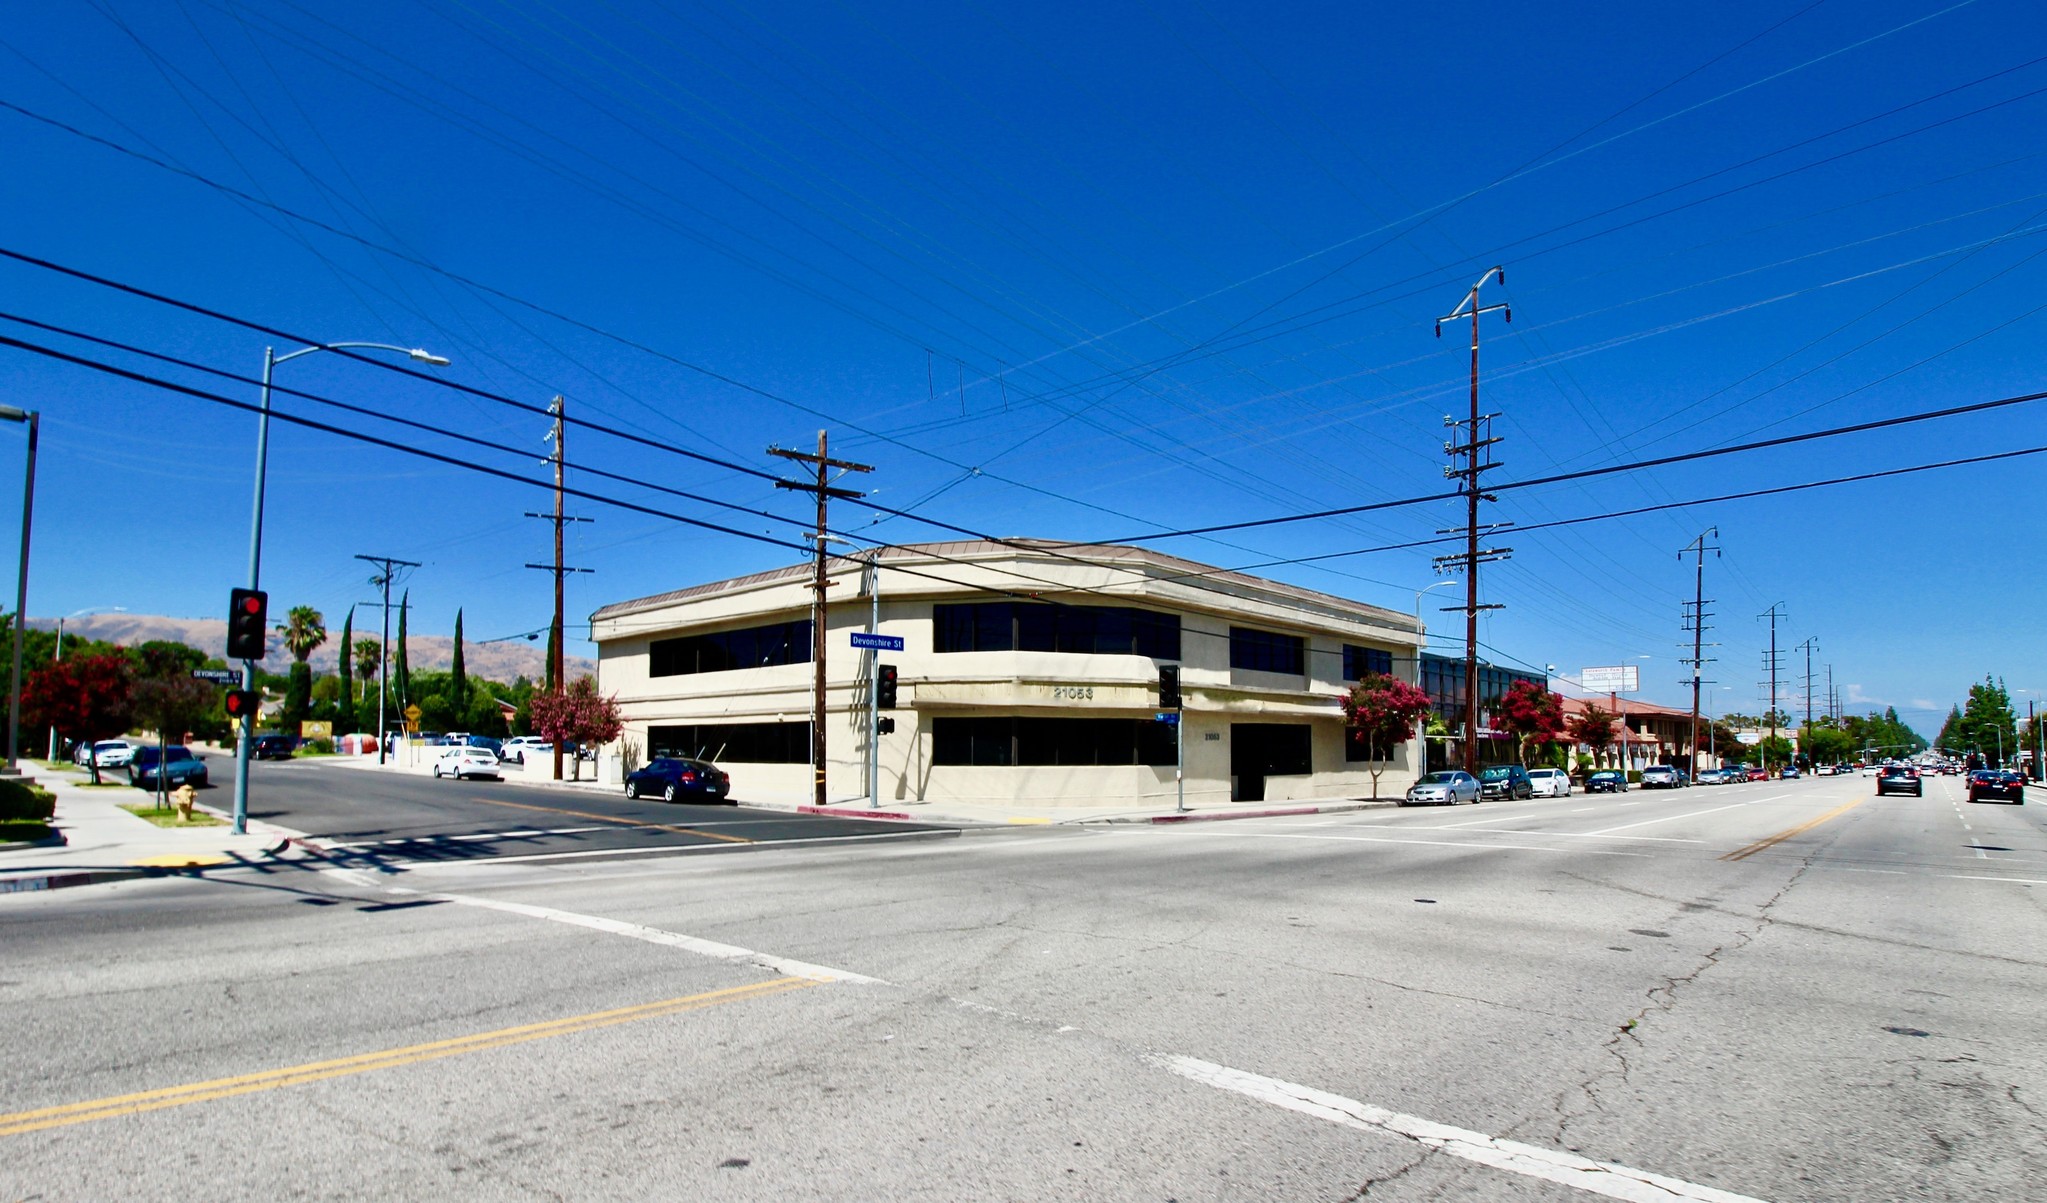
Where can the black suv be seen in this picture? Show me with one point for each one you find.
(273, 747)
(1899, 779)
(1506, 781)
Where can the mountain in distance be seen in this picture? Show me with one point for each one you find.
(426, 653)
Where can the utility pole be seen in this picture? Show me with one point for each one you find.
(1772, 664)
(1805, 727)
(1477, 436)
(556, 436)
(1695, 622)
(822, 488)
(388, 569)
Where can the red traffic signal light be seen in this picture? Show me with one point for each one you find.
(885, 687)
(243, 703)
(248, 624)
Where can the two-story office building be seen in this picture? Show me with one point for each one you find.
(1029, 673)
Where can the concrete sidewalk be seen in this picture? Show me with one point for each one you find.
(103, 843)
(977, 814)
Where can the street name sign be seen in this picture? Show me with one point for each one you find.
(878, 643)
(1170, 718)
(219, 676)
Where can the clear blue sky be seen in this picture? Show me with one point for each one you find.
(1077, 271)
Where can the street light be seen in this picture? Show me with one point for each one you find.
(28, 501)
(270, 362)
(59, 656)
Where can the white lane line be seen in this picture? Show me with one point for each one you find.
(645, 850)
(1472, 823)
(462, 839)
(1583, 809)
(1550, 1165)
(635, 931)
(1670, 818)
(2030, 881)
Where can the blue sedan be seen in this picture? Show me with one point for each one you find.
(673, 777)
(175, 765)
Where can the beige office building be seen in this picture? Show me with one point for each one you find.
(1029, 673)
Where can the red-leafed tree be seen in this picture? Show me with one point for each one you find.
(579, 716)
(1533, 714)
(86, 698)
(1381, 713)
(1593, 728)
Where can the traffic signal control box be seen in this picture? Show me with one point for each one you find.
(1169, 687)
(885, 687)
(248, 624)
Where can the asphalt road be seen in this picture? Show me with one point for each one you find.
(1782, 991)
(395, 818)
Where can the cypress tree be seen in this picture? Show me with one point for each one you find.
(402, 687)
(458, 685)
(346, 669)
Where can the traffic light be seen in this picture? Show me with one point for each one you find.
(886, 726)
(243, 703)
(885, 687)
(1169, 687)
(248, 624)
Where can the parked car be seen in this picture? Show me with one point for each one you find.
(1825, 770)
(1505, 781)
(1790, 772)
(464, 762)
(1661, 776)
(1759, 774)
(1607, 781)
(2000, 784)
(673, 777)
(1899, 779)
(515, 748)
(111, 753)
(1446, 787)
(174, 765)
(274, 747)
(1550, 783)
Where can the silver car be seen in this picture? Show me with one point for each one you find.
(1445, 788)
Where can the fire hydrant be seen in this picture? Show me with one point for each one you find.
(182, 798)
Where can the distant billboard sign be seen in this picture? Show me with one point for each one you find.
(1620, 678)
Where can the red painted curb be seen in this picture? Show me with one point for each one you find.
(1237, 814)
(851, 814)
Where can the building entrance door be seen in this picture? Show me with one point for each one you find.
(1261, 750)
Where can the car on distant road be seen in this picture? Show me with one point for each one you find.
(670, 778)
(1505, 781)
(111, 753)
(1661, 776)
(274, 747)
(1446, 787)
(1790, 772)
(465, 762)
(515, 748)
(1607, 781)
(1549, 783)
(1710, 777)
(1825, 770)
(1899, 779)
(174, 765)
(2002, 785)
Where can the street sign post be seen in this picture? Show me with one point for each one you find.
(219, 676)
(877, 643)
(1169, 717)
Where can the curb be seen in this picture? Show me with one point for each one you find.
(41, 882)
(54, 840)
(855, 814)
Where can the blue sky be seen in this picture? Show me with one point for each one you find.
(1078, 272)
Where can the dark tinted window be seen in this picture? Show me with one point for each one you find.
(1042, 627)
(745, 743)
(723, 651)
(1359, 662)
(1267, 651)
(1051, 741)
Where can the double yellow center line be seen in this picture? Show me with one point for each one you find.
(1801, 829)
(271, 1079)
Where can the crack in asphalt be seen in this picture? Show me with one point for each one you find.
(1364, 1191)
(1660, 999)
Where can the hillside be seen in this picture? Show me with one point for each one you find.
(427, 653)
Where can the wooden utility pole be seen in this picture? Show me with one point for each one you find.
(824, 492)
(556, 436)
(1476, 433)
(1695, 621)
(1772, 663)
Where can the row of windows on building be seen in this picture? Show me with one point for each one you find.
(1002, 740)
(1442, 678)
(1013, 626)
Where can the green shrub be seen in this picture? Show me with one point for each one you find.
(317, 747)
(20, 800)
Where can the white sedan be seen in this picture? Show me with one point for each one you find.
(1550, 783)
(467, 762)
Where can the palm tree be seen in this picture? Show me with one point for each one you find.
(369, 656)
(304, 632)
